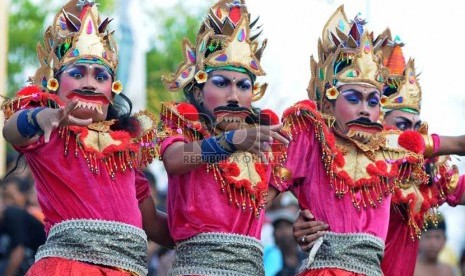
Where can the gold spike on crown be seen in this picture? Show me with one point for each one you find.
(402, 90)
(224, 40)
(347, 54)
(76, 33)
(408, 90)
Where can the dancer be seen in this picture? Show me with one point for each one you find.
(401, 106)
(84, 149)
(344, 165)
(218, 150)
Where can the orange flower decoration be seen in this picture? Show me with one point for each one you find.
(53, 84)
(117, 87)
(256, 88)
(383, 100)
(201, 77)
(332, 93)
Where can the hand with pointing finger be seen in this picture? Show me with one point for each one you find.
(51, 118)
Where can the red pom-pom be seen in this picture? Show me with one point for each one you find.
(188, 111)
(412, 141)
(29, 90)
(307, 104)
(302, 105)
(269, 116)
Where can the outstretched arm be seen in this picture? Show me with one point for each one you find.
(26, 126)
(451, 145)
(182, 157)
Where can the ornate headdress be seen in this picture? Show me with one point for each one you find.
(224, 41)
(76, 34)
(402, 90)
(347, 54)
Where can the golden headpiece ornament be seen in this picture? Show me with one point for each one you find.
(347, 54)
(402, 90)
(76, 34)
(225, 42)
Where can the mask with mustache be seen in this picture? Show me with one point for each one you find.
(89, 99)
(231, 117)
(363, 129)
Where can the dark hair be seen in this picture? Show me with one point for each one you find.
(121, 110)
(440, 225)
(19, 160)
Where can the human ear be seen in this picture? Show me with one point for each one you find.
(198, 95)
(328, 106)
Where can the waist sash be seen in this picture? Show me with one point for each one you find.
(99, 242)
(360, 253)
(219, 254)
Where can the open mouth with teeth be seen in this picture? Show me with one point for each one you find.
(363, 130)
(88, 99)
(227, 115)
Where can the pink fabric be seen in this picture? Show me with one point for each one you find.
(399, 240)
(313, 191)
(197, 205)
(436, 142)
(401, 251)
(453, 199)
(67, 189)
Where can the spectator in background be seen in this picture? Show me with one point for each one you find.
(21, 235)
(284, 239)
(431, 243)
(20, 192)
(15, 191)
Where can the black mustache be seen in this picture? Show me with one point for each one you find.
(364, 121)
(231, 108)
(87, 92)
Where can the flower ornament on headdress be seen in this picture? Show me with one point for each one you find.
(224, 42)
(76, 34)
(402, 90)
(347, 54)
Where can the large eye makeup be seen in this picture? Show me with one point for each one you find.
(417, 125)
(75, 72)
(403, 124)
(220, 81)
(373, 100)
(351, 96)
(102, 75)
(244, 85)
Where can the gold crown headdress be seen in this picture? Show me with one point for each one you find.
(347, 54)
(224, 41)
(402, 90)
(77, 33)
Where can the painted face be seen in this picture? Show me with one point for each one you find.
(402, 120)
(354, 102)
(90, 84)
(227, 88)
